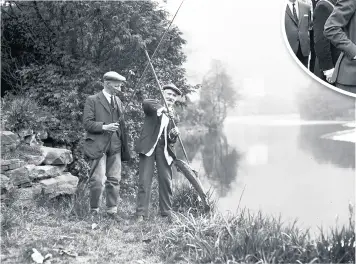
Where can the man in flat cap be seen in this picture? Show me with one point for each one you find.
(106, 142)
(156, 143)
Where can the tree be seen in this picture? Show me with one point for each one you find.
(217, 95)
(56, 52)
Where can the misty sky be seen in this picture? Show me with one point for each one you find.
(246, 36)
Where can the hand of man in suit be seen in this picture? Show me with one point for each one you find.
(111, 127)
(174, 132)
(169, 114)
(328, 74)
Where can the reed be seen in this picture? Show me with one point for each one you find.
(252, 238)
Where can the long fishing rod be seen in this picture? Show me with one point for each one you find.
(165, 102)
(154, 53)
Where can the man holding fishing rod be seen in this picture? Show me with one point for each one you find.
(156, 143)
(106, 142)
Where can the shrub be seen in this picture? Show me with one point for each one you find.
(20, 112)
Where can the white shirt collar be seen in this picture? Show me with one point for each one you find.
(107, 96)
(290, 4)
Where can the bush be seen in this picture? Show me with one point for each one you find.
(21, 112)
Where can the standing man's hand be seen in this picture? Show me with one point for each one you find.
(328, 74)
(174, 132)
(111, 127)
(169, 114)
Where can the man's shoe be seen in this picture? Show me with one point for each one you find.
(113, 216)
(94, 215)
(167, 218)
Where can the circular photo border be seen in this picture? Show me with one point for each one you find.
(300, 64)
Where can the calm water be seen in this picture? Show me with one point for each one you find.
(283, 165)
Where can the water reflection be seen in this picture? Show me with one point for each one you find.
(219, 160)
(339, 153)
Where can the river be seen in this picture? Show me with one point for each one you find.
(280, 165)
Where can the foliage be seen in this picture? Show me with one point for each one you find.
(319, 102)
(55, 53)
(21, 113)
(249, 238)
(186, 199)
(218, 94)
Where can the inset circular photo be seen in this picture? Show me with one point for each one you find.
(321, 35)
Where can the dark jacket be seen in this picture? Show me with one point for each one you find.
(340, 29)
(326, 53)
(97, 111)
(298, 33)
(151, 126)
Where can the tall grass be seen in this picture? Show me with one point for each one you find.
(252, 238)
(186, 199)
(194, 236)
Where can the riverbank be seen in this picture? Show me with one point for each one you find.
(66, 231)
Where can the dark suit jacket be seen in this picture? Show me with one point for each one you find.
(312, 50)
(97, 111)
(298, 33)
(327, 54)
(340, 29)
(151, 126)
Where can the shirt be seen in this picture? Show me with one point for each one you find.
(107, 96)
(290, 4)
(163, 128)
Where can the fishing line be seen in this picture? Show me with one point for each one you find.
(154, 53)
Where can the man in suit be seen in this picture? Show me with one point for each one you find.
(297, 25)
(340, 29)
(312, 44)
(327, 54)
(106, 141)
(156, 143)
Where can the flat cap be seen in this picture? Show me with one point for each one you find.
(113, 76)
(172, 87)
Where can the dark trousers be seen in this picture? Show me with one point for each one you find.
(303, 59)
(164, 171)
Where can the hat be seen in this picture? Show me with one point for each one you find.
(172, 87)
(113, 76)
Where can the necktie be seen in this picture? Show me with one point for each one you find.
(112, 102)
(295, 13)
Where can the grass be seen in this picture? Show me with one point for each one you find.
(64, 228)
(252, 238)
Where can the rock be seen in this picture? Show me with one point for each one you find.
(26, 197)
(20, 176)
(63, 184)
(35, 159)
(11, 164)
(56, 156)
(25, 133)
(5, 184)
(46, 171)
(9, 141)
(7, 137)
(42, 135)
